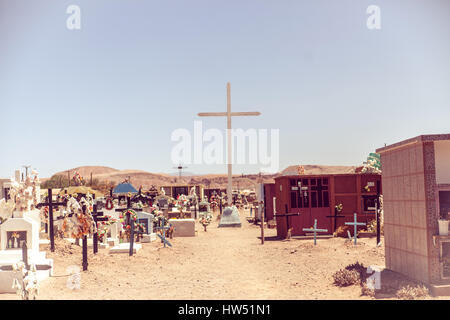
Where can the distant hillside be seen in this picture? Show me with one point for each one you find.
(147, 179)
(319, 169)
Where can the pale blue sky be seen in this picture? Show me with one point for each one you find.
(111, 93)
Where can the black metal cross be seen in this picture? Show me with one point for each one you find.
(287, 215)
(97, 216)
(129, 222)
(50, 205)
(335, 218)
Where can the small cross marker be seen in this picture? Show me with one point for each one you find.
(315, 230)
(355, 223)
(162, 226)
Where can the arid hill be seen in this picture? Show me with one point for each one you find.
(147, 179)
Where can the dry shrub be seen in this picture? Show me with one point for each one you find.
(360, 268)
(411, 292)
(366, 291)
(341, 231)
(345, 278)
(352, 274)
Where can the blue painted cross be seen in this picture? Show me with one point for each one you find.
(355, 223)
(315, 230)
(162, 226)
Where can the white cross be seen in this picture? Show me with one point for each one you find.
(356, 224)
(228, 114)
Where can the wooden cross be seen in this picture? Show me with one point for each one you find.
(335, 218)
(97, 216)
(287, 215)
(50, 205)
(129, 222)
(377, 212)
(355, 223)
(315, 230)
(228, 114)
(162, 226)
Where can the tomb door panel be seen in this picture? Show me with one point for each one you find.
(320, 203)
(145, 223)
(297, 223)
(444, 203)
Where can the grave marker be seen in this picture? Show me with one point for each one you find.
(129, 222)
(287, 215)
(50, 204)
(315, 230)
(335, 216)
(163, 228)
(97, 216)
(355, 223)
(228, 114)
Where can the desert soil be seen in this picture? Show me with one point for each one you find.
(222, 263)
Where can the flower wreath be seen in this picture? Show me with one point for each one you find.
(109, 204)
(102, 226)
(133, 215)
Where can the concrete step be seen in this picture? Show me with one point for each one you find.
(440, 289)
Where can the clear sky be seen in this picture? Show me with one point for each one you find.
(113, 92)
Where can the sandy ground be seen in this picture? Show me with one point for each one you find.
(222, 263)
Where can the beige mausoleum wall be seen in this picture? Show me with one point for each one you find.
(442, 161)
(405, 225)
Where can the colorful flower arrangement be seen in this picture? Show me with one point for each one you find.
(205, 218)
(103, 226)
(126, 226)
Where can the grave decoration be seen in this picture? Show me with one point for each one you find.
(6, 209)
(109, 204)
(24, 197)
(204, 214)
(80, 223)
(141, 198)
(25, 279)
(27, 287)
(128, 219)
(77, 179)
(99, 219)
(103, 227)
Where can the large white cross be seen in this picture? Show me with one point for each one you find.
(229, 114)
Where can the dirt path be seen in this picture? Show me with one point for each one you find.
(222, 263)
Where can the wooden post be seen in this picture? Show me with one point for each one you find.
(131, 222)
(50, 205)
(25, 254)
(50, 221)
(262, 222)
(377, 206)
(85, 254)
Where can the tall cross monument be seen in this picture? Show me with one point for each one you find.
(229, 114)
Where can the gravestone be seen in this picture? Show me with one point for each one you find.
(14, 232)
(230, 218)
(183, 227)
(147, 220)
